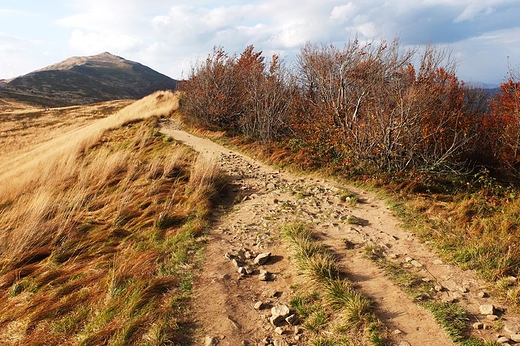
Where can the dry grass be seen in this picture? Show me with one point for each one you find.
(97, 243)
(470, 229)
(55, 155)
(22, 127)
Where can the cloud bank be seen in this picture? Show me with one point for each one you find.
(172, 36)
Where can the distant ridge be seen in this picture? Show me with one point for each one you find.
(84, 80)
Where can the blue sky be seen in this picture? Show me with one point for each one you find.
(170, 35)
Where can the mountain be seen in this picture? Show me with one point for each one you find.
(84, 80)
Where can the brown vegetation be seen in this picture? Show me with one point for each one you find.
(396, 119)
(98, 238)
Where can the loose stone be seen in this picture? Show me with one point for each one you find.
(492, 317)
(292, 319)
(210, 341)
(482, 294)
(279, 313)
(502, 340)
(487, 309)
(416, 263)
(262, 258)
(264, 275)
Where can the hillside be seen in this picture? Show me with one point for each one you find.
(96, 230)
(84, 80)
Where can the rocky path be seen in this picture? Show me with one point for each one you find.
(235, 293)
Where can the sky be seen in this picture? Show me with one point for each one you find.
(171, 36)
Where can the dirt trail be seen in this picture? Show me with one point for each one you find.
(225, 300)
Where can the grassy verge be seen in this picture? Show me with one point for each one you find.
(333, 312)
(100, 244)
(470, 229)
(453, 318)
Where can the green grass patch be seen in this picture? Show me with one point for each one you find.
(333, 312)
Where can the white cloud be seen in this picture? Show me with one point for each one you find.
(368, 30)
(343, 13)
(170, 35)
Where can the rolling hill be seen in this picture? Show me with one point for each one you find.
(85, 80)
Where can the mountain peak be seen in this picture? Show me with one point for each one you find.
(99, 60)
(86, 79)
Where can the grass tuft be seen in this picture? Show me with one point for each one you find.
(333, 307)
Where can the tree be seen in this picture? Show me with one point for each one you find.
(503, 125)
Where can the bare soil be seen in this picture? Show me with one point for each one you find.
(266, 198)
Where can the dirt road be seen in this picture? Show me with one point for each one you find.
(268, 198)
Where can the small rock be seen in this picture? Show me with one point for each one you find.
(278, 313)
(408, 259)
(397, 332)
(482, 294)
(478, 325)
(280, 343)
(262, 258)
(210, 341)
(298, 330)
(416, 263)
(264, 275)
(463, 289)
(515, 337)
(259, 305)
(438, 287)
(487, 309)
(404, 343)
(292, 319)
(492, 317)
(502, 340)
(279, 330)
(437, 262)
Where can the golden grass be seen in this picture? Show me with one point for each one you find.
(97, 244)
(55, 155)
(22, 127)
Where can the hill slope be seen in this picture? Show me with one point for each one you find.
(83, 80)
(97, 228)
